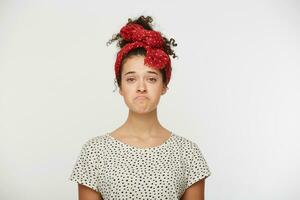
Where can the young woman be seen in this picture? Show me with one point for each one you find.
(141, 159)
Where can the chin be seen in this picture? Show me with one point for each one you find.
(142, 111)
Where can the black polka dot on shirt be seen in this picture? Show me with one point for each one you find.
(121, 171)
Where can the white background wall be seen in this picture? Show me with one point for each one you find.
(234, 90)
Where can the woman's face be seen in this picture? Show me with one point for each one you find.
(141, 86)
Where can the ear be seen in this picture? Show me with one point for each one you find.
(120, 92)
(165, 88)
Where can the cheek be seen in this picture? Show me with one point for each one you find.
(156, 92)
(128, 93)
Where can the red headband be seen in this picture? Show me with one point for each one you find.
(153, 43)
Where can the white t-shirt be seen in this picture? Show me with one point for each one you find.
(121, 171)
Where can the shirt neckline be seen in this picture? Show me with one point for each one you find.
(141, 148)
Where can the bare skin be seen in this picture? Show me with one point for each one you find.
(142, 127)
(195, 191)
(86, 193)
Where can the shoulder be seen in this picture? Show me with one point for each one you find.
(93, 150)
(193, 159)
(187, 148)
(94, 144)
(96, 140)
(185, 143)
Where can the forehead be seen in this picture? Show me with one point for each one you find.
(135, 65)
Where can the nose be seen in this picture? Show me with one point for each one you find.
(141, 86)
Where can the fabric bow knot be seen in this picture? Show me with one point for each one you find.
(135, 32)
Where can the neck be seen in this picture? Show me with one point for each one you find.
(142, 125)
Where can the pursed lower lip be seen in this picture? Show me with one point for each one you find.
(141, 97)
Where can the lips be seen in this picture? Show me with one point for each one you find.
(141, 97)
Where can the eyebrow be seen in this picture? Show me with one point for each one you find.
(133, 72)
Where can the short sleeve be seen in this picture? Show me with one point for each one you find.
(197, 167)
(85, 171)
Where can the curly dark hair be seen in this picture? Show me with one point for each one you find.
(146, 23)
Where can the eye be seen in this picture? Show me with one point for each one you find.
(129, 79)
(153, 80)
